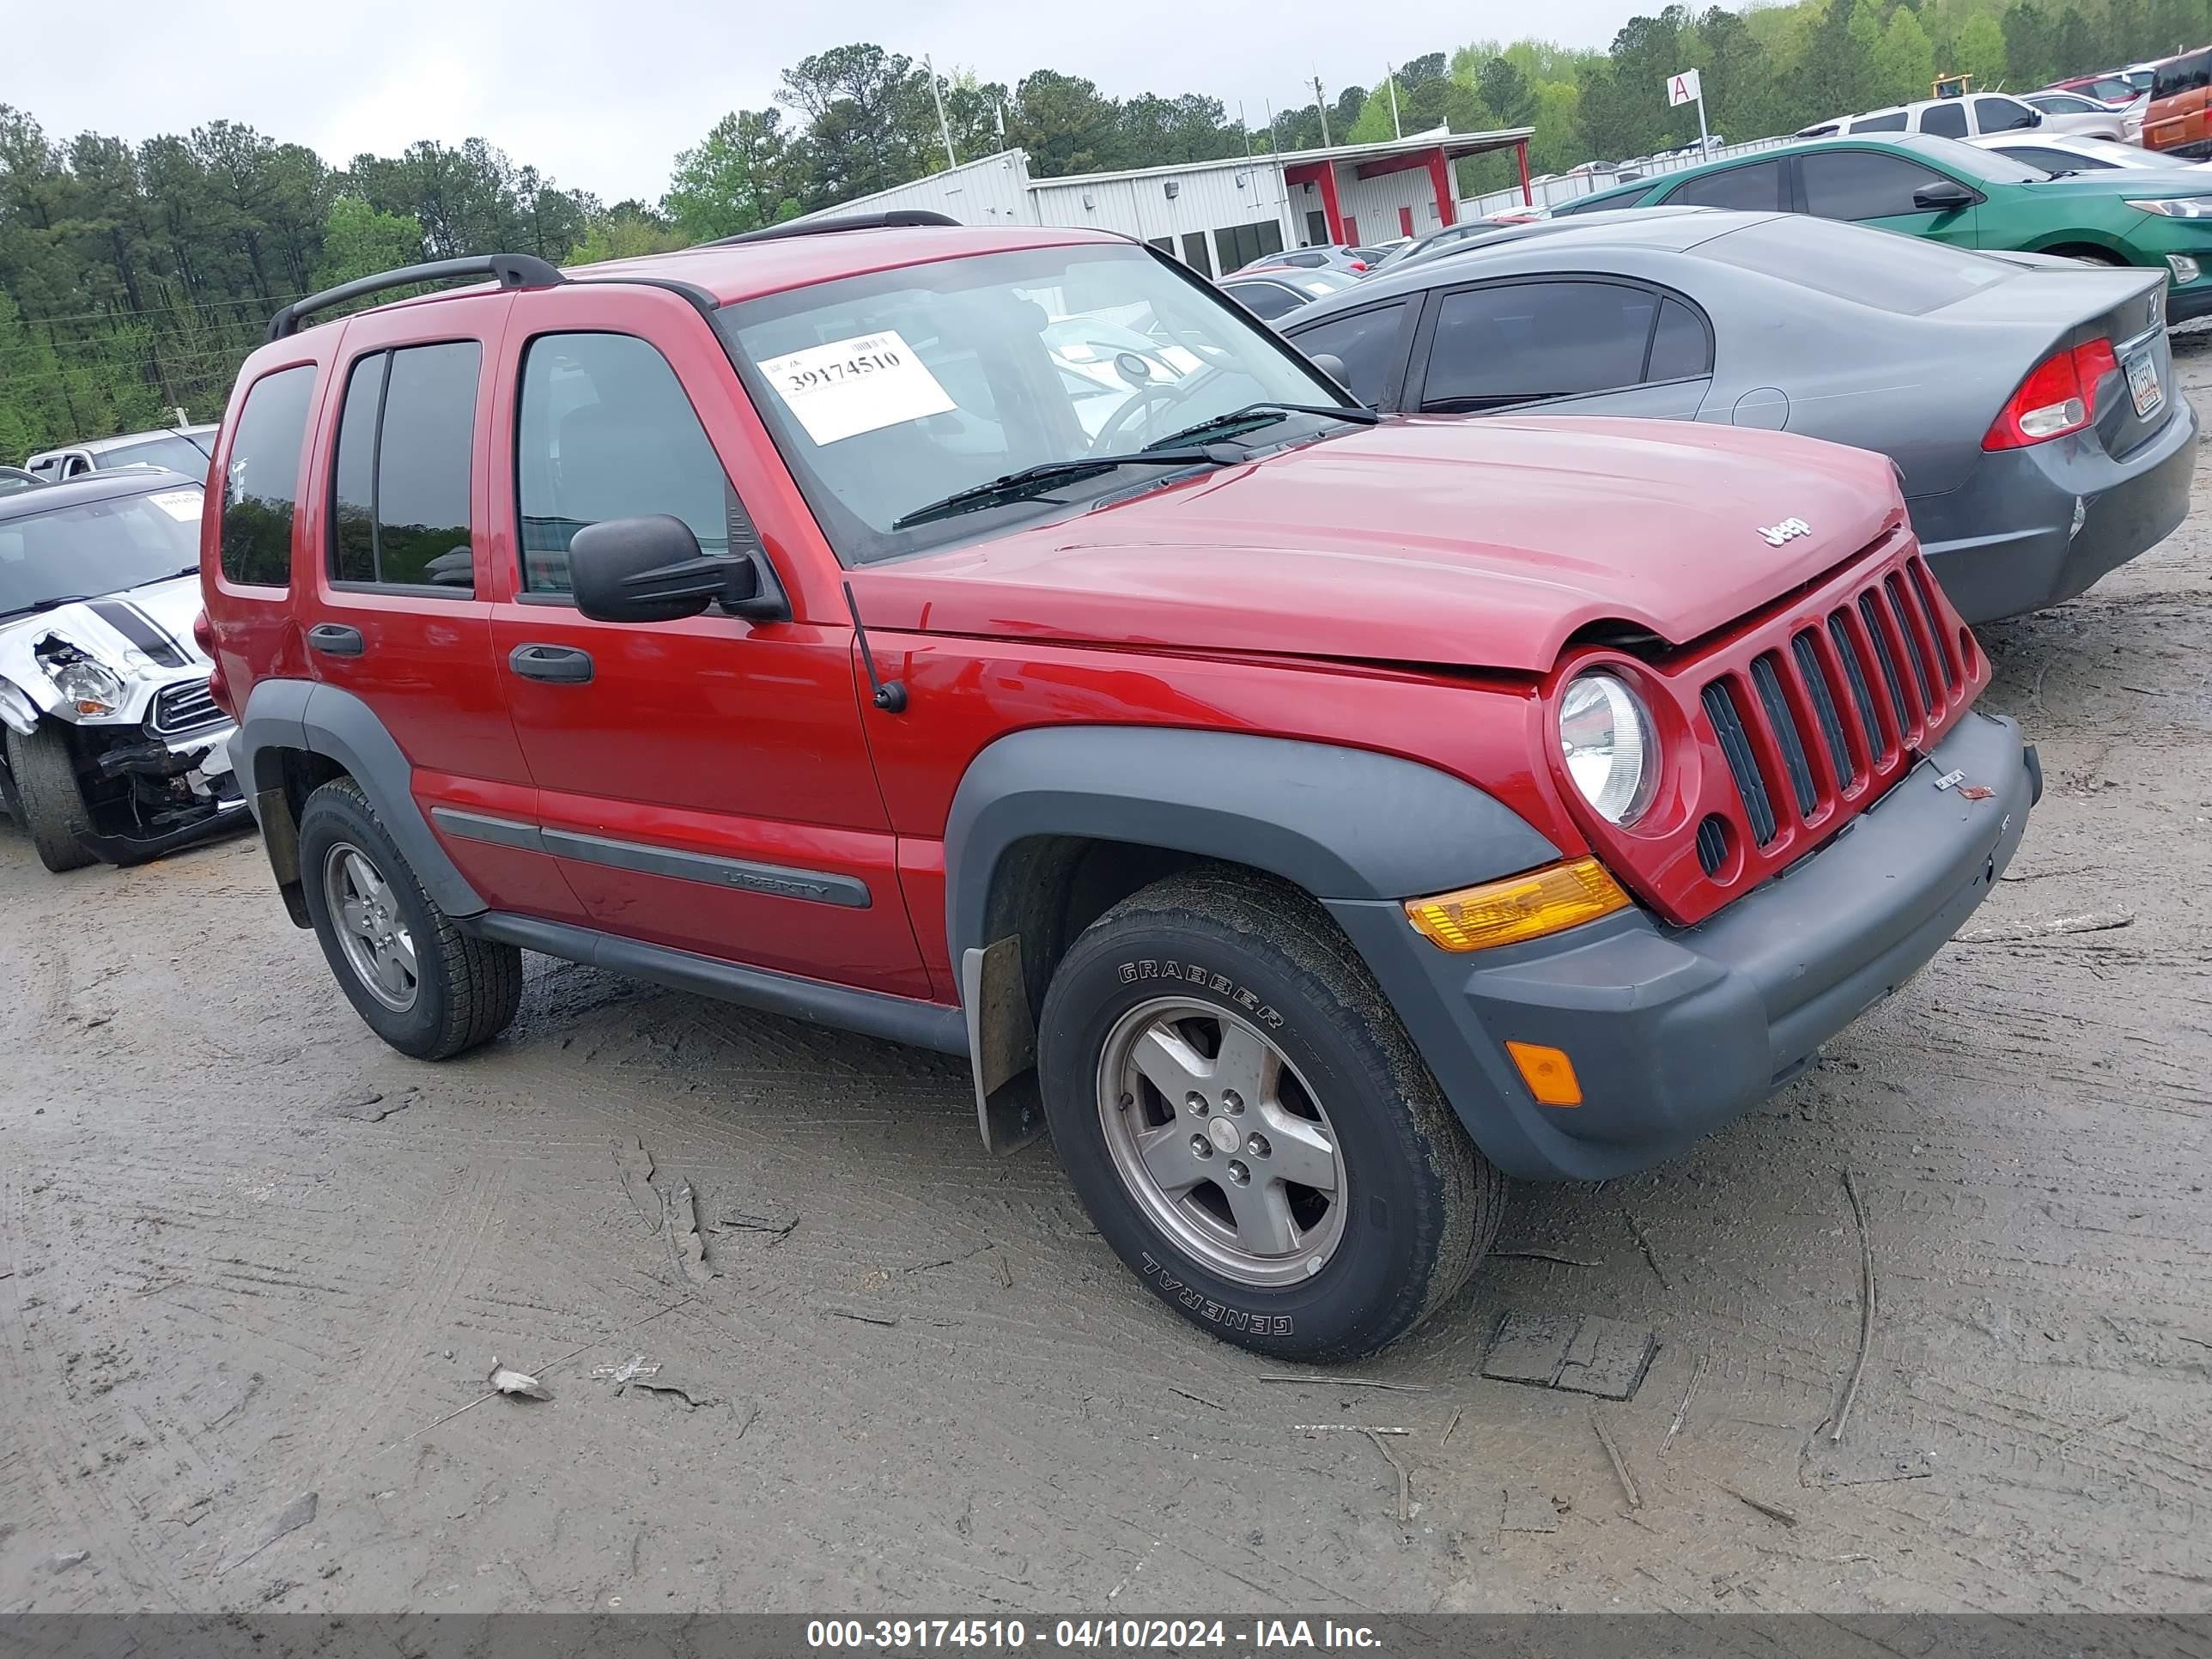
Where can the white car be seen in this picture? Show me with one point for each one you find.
(1970, 117)
(2066, 152)
(111, 744)
(181, 449)
(2086, 118)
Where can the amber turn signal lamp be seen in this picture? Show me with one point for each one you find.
(1519, 908)
(1548, 1072)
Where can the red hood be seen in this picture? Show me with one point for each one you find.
(1484, 543)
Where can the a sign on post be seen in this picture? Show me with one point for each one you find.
(1686, 88)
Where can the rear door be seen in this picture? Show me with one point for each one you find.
(703, 782)
(396, 614)
(1756, 186)
(1573, 345)
(1877, 187)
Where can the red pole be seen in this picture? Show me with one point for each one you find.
(1521, 155)
(1329, 209)
(1440, 181)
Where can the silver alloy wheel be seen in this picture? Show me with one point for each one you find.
(370, 932)
(1219, 1140)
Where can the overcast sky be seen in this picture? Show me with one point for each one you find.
(602, 96)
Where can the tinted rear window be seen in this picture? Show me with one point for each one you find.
(261, 486)
(1866, 267)
(2187, 74)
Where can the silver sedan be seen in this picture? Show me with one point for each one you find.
(2028, 403)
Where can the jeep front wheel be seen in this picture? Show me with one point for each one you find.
(1249, 1125)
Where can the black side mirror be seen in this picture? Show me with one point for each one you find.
(1945, 196)
(650, 569)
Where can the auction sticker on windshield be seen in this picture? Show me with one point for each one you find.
(182, 504)
(861, 385)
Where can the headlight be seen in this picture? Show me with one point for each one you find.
(1611, 753)
(88, 686)
(2177, 207)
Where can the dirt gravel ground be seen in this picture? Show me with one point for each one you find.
(918, 1381)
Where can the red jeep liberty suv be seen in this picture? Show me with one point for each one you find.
(998, 641)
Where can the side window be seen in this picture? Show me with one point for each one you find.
(399, 496)
(261, 485)
(1265, 299)
(1893, 122)
(1860, 184)
(1681, 348)
(2002, 114)
(1756, 187)
(1367, 342)
(606, 432)
(1947, 119)
(1516, 342)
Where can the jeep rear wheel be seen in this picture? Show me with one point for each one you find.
(51, 801)
(1249, 1125)
(418, 981)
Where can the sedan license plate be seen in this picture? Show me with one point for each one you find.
(2142, 385)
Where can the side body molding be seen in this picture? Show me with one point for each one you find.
(1342, 824)
(322, 719)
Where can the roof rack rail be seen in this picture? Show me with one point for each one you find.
(511, 270)
(896, 219)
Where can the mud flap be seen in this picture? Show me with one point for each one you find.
(1002, 1046)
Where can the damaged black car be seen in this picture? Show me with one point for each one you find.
(111, 746)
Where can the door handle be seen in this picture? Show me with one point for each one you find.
(336, 639)
(556, 665)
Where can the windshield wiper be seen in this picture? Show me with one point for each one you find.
(37, 606)
(1031, 481)
(1267, 410)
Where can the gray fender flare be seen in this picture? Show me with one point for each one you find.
(1341, 823)
(323, 719)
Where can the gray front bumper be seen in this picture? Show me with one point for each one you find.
(1676, 1031)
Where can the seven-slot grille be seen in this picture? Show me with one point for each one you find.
(184, 708)
(1803, 727)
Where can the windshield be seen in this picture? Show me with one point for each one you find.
(888, 392)
(98, 547)
(173, 450)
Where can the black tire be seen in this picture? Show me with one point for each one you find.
(1423, 1203)
(48, 801)
(466, 989)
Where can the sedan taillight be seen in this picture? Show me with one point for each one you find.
(2059, 397)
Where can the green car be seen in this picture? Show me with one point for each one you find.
(1948, 192)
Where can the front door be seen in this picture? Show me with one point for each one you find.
(704, 783)
(398, 616)
(1871, 187)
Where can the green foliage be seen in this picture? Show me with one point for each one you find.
(133, 278)
(359, 241)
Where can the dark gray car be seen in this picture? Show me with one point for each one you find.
(2030, 406)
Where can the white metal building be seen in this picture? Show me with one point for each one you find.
(1218, 216)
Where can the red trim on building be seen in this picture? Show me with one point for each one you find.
(1404, 222)
(1521, 155)
(1440, 181)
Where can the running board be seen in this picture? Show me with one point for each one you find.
(898, 1020)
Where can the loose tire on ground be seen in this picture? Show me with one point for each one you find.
(48, 800)
(464, 990)
(1417, 1204)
